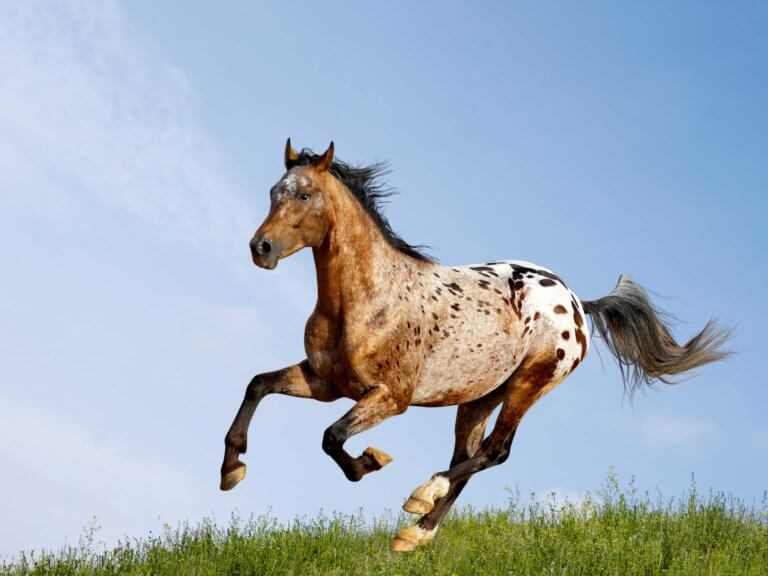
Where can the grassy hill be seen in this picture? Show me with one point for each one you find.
(609, 533)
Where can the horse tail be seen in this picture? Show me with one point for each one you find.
(638, 335)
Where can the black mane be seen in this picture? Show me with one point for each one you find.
(366, 185)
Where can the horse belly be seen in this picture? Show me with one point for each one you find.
(465, 372)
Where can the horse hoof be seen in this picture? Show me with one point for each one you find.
(410, 538)
(380, 458)
(232, 478)
(402, 545)
(422, 501)
(417, 506)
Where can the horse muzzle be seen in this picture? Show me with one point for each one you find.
(265, 252)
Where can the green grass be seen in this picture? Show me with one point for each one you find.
(612, 532)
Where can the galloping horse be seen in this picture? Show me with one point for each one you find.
(393, 329)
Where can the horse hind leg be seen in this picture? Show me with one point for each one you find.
(534, 377)
(435, 497)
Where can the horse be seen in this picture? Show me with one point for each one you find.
(392, 328)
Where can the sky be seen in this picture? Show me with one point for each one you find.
(138, 142)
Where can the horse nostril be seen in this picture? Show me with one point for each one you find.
(264, 247)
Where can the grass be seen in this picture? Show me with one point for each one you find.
(612, 532)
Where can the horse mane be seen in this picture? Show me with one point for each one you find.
(366, 184)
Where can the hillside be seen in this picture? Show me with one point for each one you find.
(608, 533)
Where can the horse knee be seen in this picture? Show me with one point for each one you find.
(259, 386)
(331, 441)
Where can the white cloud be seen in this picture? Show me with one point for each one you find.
(91, 109)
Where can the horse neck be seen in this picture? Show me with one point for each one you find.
(355, 264)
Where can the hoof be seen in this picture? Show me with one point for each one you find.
(408, 539)
(380, 458)
(402, 545)
(418, 506)
(422, 501)
(232, 478)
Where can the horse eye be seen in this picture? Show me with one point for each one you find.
(304, 197)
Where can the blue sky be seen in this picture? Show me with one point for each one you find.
(137, 146)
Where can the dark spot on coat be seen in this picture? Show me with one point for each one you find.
(560, 309)
(560, 353)
(453, 286)
(581, 339)
(566, 335)
(484, 270)
(456, 306)
(575, 364)
(547, 282)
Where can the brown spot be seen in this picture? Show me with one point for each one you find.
(519, 284)
(453, 286)
(546, 282)
(575, 364)
(566, 335)
(560, 353)
(537, 316)
(560, 309)
(581, 339)
(455, 306)
(577, 318)
(434, 315)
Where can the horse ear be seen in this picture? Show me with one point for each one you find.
(325, 160)
(291, 156)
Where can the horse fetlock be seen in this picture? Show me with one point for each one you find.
(422, 500)
(237, 441)
(412, 537)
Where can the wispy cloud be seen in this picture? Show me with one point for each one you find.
(89, 107)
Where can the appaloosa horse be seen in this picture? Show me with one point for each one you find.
(392, 329)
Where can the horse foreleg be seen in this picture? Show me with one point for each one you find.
(297, 380)
(376, 406)
(432, 498)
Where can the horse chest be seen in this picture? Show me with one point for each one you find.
(326, 347)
